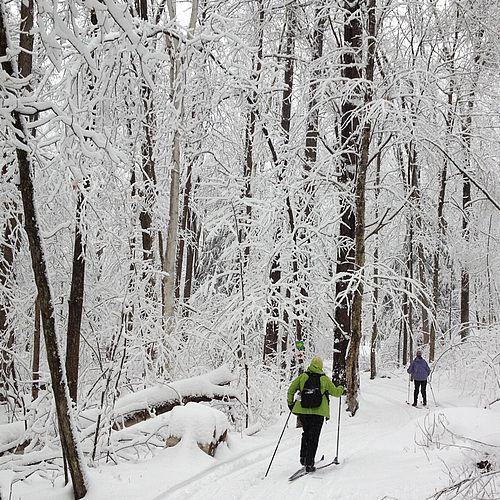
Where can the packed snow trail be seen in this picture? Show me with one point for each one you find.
(384, 453)
(378, 457)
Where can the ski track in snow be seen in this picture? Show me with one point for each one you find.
(383, 412)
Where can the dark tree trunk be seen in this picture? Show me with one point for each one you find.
(35, 368)
(56, 367)
(6, 332)
(185, 227)
(466, 206)
(301, 259)
(248, 165)
(416, 222)
(273, 310)
(352, 360)
(148, 192)
(59, 382)
(25, 64)
(349, 143)
(464, 276)
(443, 174)
(404, 323)
(191, 255)
(374, 336)
(75, 308)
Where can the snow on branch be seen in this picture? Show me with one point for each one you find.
(141, 405)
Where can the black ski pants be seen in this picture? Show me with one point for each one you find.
(422, 385)
(311, 429)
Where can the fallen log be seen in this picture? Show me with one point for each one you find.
(147, 403)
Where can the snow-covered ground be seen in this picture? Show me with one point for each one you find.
(387, 451)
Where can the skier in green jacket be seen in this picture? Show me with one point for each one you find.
(312, 418)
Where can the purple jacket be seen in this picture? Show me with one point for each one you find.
(419, 369)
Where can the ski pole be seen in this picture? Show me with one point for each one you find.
(336, 459)
(408, 396)
(279, 440)
(432, 392)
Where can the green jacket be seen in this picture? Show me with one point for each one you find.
(327, 388)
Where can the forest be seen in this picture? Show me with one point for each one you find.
(211, 192)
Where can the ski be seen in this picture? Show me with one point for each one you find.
(333, 462)
(302, 471)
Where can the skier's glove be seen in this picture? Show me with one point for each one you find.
(290, 407)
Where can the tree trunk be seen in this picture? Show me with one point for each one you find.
(349, 143)
(466, 185)
(177, 73)
(56, 367)
(466, 202)
(352, 361)
(148, 193)
(35, 367)
(191, 255)
(6, 332)
(25, 65)
(75, 309)
(464, 276)
(185, 227)
(443, 174)
(302, 236)
(272, 308)
(374, 337)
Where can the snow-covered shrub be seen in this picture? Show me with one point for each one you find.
(471, 451)
(473, 364)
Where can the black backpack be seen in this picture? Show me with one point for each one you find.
(310, 396)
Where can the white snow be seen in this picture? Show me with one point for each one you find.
(197, 422)
(202, 385)
(388, 450)
(10, 433)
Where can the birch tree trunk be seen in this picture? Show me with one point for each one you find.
(177, 73)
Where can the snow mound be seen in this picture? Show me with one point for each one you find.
(11, 435)
(197, 422)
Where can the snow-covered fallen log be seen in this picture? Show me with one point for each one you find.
(193, 424)
(144, 404)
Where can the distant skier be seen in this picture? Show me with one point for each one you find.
(315, 388)
(419, 371)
